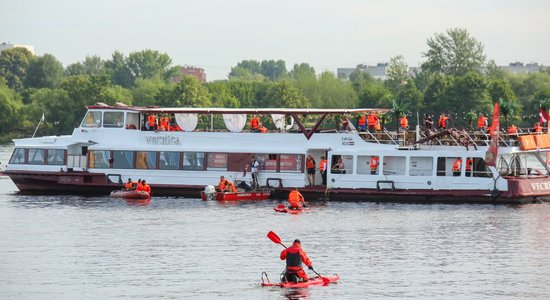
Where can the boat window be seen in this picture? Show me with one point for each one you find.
(113, 119)
(193, 161)
(18, 156)
(477, 168)
(99, 158)
(449, 166)
(56, 157)
(169, 160)
(123, 159)
(92, 119)
(132, 120)
(36, 156)
(421, 166)
(368, 165)
(341, 164)
(146, 160)
(290, 163)
(216, 161)
(394, 165)
(267, 162)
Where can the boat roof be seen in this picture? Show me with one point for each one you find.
(219, 110)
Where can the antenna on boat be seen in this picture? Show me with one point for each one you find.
(39, 122)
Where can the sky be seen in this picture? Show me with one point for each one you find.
(328, 34)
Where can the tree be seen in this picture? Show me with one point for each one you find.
(119, 71)
(302, 71)
(397, 73)
(44, 72)
(115, 93)
(221, 94)
(147, 91)
(58, 108)
(9, 105)
(13, 66)
(334, 93)
(149, 64)
(284, 94)
(92, 65)
(454, 53)
(187, 93)
(272, 69)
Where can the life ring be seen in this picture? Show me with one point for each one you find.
(495, 193)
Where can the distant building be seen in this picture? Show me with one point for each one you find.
(193, 71)
(520, 68)
(5, 46)
(378, 71)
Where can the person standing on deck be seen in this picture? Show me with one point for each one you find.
(482, 122)
(310, 167)
(372, 121)
(374, 162)
(428, 121)
(254, 172)
(323, 169)
(443, 121)
(295, 256)
(457, 166)
(362, 123)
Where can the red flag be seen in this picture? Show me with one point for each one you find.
(544, 116)
(492, 153)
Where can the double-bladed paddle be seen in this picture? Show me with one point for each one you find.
(277, 240)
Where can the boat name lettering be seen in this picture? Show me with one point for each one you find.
(163, 140)
(348, 141)
(538, 186)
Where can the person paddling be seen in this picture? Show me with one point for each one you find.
(295, 256)
(296, 200)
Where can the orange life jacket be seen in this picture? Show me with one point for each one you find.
(538, 128)
(152, 120)
(469, 164)
(404, 122)
(323, 165)
(512, 129)
(255, 123)
(481, 122)
(230, 187)
(374, 162)
(442, 122)
(221, 185)
(362, 121)
(373, 119)
(310, 164)
(457, 165)
(164, 123)
(128, 185)
(295, 199)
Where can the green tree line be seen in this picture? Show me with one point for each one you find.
(456, 78)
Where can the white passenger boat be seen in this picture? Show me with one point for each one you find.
(114, 143)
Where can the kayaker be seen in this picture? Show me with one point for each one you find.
(296, 200)
(295, 256)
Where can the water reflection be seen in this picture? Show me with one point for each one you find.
(296, 294)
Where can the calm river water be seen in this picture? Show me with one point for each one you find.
(72, 247)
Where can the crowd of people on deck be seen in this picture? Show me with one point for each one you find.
(140, 185)
(161, 122)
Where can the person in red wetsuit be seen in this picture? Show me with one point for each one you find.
(295, 199)
(295, 256)
(144, 187)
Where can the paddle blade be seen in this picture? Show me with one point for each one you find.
(274, 237)
(326, 281)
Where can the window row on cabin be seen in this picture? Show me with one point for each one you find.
(418, 166)
(33, 156)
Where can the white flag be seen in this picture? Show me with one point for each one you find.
(42, 118)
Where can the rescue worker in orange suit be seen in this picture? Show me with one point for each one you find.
(513, 130)
(144, 187)
(374, 163)
(442, 122)
(221, 184)
(130, 185)
(469, 165)
(482, 122)
(296, 200)
(226, 186)
(295, 256)
(255, 124)
(164, 123)
(457, 166)
(372, 121)
(323, 169)
(362, 123)
(404, 122)
(152, 121)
